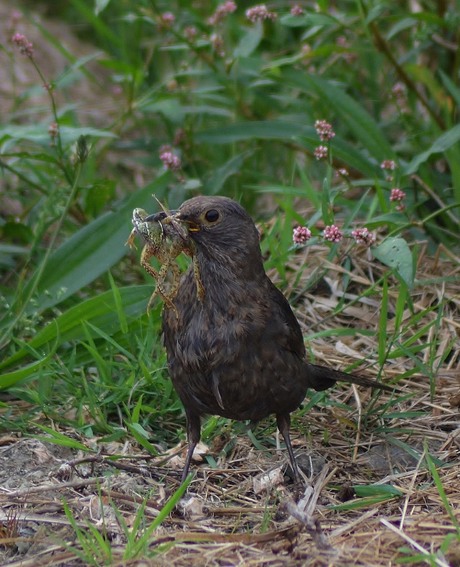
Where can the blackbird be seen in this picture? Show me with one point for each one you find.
(237, 351)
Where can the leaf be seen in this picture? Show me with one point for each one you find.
(307, 20)
(19, 376)
(451, 87)
(250, 41)
(141, 436)
(100, 310)
(395, 253)
(377, 490)
(60, 439)
(39, 133)
(100, 5)
(69, 134)
(443, 143)
(216, 180)
(92, 250)
(265, 130)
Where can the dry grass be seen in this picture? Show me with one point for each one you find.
(355, 439)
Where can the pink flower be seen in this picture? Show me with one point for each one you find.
(388, 164)
(170, 160)
(218, 44)
(324, 130)
(397, 195)
(25, 47)
(332, 233)
(363, 236)
(296, 10)
(259, 13)
(301, 234)
(53, 129)
(190, 32)
(223, 10)
(399, 90)
(343, 172)
(320, 152)
(168, 19)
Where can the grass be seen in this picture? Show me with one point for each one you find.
(88, 111)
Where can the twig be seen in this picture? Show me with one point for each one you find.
(409, 540)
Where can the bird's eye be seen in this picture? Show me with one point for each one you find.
(212, 215)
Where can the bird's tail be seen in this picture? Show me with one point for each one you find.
(322, 378)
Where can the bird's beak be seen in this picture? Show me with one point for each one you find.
(173, 216)
(156, 217)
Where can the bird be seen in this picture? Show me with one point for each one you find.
(236, 350)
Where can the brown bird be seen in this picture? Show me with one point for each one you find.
(237, 351)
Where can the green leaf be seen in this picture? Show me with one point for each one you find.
(451, 87)
(250, 41)
(100, 5)
(60, 439)
(395, 253)
(377, 490)
(383, 319)
(307, 20)
(100, 310)
(216, 180)
(141, 436)
(69, 134)
(25, 373)
(92, 250)
(242, 131)
(443, 143)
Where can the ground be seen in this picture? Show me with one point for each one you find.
(371, 495)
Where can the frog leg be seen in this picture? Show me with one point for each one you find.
(146, 254)
(130, 242)
(200, 291)
(175, 280)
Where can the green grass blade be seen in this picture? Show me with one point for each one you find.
(99, 310)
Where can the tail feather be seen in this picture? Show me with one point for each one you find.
(321, 378)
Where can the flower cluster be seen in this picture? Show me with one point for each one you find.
(169, 159)
(259, 13)
(53, 130)
(324, 130)
(363, 236)
(296, 10)
(190, 33)
(320, 152)
(399, 94)
(223, 10)
(167, 19)
(217, 44)
(301, 234)
(332, 233)
(397, 195)
(388, 164)
(25, 46)
(343, 172)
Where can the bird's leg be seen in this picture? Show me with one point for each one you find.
(193, 437)
(284, 423)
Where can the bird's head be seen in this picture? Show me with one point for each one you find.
(219, 225)
(221, 234)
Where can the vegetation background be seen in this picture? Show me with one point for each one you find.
(106, 103)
